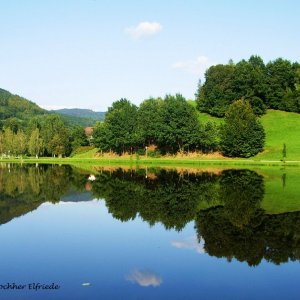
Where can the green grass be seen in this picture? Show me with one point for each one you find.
(204, 117)
(90, 153)
(281, 127)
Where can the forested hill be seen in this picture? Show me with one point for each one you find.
(14, 106)
(79, 116)
(16, 112)
(82, 113)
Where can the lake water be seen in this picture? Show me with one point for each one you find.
(108, 233)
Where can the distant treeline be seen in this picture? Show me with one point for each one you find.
(274, 85)
(43, 136)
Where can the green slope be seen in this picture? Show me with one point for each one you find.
(280, 127)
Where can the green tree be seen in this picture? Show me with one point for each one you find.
(281, 78)
(78, 137)
(36, 144)
(102, 137)
(2, 146)
(55, 135)
(150, 120)
(20, 143)
(217, 92)
(8, 138)
(242, 135)
(180, 130)
(284, 152)
(56, 146)
(121, 125)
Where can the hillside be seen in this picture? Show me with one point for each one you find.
(18, 111)
(82, 113)
(79, 116)
(280, 127)
(14, 106)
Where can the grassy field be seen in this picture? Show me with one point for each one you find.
(280, 127)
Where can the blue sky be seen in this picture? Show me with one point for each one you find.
(89, 53)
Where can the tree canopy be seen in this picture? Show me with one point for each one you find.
(273, 85)
(242, 135)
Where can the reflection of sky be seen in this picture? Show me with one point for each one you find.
(190, 242)
(144, 278)
(81, 242)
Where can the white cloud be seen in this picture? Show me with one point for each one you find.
(143, 29)
(144, 278)
(197, 66)
(189, 243)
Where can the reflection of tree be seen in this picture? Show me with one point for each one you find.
(237, 228)
(275, 238)
(241, 191)
(171, 198)
(24, 188)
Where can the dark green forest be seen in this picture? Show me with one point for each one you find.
(273, 85)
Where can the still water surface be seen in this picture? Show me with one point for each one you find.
(146, 234)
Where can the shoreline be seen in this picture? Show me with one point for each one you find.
(153, 161)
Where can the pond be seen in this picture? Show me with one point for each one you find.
(112, 233)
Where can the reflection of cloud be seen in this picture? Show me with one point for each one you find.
(197, 66)
(189, 243)
(144, 278)
(144, 29)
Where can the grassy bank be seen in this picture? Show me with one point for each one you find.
(143, 161)
(280, 127)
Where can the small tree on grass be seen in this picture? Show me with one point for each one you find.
(284, 152)
(242, 135)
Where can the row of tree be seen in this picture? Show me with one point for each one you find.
(274, 85)
(44, 136)
(172, 125)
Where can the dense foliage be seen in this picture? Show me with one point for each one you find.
(242, 135)
(27, 129)
(273, 85)
(171, 124)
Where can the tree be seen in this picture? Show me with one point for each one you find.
(55, 136)
(150, 120)
(78, 137)
(8, 138)
(180, 130)
(281, 77)
(242, 135)
(2, 146)
(121, 125)
(36, 144)
(216, 93)
(20, 143)
(102, 137)
(265, 86)
(284, 152)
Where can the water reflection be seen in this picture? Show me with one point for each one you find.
(144, 278)
(225, 206)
